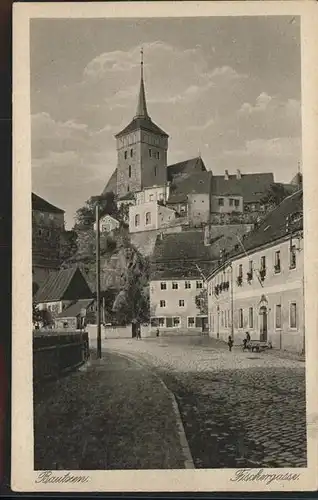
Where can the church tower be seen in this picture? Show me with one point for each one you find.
(141, 150)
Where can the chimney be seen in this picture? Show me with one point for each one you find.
(238, 174)
(226, 175)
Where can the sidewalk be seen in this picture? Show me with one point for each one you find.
(115, 414)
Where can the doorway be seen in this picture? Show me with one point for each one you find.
(263, 324)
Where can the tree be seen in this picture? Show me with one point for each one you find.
(275, 194)
(85, 216)
(201, 301)
(68, 245)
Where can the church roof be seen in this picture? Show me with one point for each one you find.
(194, 183)
(185, 167)
(142, 120)
(143, 123)
(111, 185)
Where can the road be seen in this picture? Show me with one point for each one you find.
(238, 409)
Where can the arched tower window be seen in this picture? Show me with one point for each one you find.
(148, 218)
(155, 169)
(129, 171)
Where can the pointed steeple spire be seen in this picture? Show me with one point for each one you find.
(142, 106)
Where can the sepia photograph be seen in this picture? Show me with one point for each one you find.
(165, 169)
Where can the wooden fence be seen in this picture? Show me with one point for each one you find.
(56, 352)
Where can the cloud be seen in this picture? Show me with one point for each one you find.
(269, 148)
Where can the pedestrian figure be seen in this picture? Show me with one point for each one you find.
(230, 343)
(138, 333)
(157, 332)
(246, 341)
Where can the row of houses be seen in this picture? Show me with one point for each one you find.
(252, 282)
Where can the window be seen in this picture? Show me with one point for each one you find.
(278, 317)
(129, 171)
(161, 322)
(222, 318)
(199, 284)
(176, 322)
(181, 303)
(150, 153)
(162, 303)
(125, 155)
(263, 263)
(231, 202)
(175, 286)
(51, 216)
(137, 220)
(148, 218)
(225, 319)
(237, 203)
(131, 153)
(128, 188)
(187, 284)
(158, 155)
(151, 197)
(277, 262)
(155, 169)
(240, 318)
(240, 270)
(293, 315)
(191, 322)
(292, 257)
(251, 317)
(221, 202)
(250, 269)
(163, 285)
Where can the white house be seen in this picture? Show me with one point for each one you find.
(149, 216)
(107, 224)
(260, 287)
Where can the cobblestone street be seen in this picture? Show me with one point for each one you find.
(238, 409)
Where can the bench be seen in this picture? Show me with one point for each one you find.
(257, 345)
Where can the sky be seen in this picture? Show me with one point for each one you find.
(227, 88)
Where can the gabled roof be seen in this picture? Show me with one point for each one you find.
(57, 284)
(75, 309)
(274, 226)
(250, 186)
(185, 167)
(42, 205)
(194, 183)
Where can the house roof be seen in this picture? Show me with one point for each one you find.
(273, 227)
(56, 285)
(185, 167)
(42, 205)
(194, 183)
(250, 186)
(75, 309)
(143, 123)
(178, 254)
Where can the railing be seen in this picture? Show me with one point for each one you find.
(56, 352)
